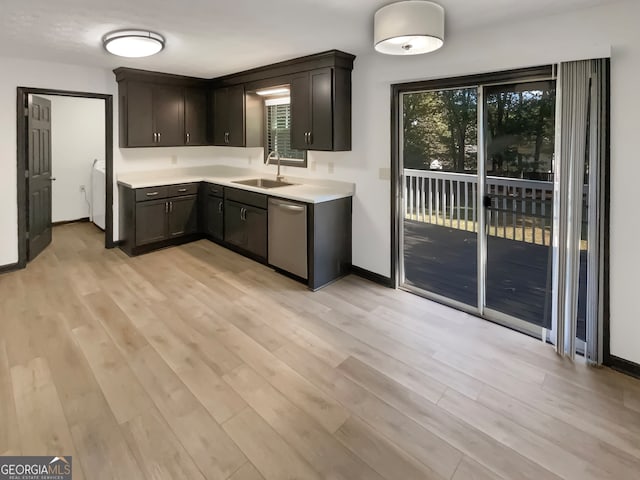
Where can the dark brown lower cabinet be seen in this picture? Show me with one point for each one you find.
(245, 227)
(156, 217)
(151, 222)
(183, 216)
(153, 218)
(212, 211)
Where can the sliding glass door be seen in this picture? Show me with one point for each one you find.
(440, 227)
(478, 202)
(519, 124)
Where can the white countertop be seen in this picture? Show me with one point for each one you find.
(303, 189)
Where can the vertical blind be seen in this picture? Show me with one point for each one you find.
(279, 130)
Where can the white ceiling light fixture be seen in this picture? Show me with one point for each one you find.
(133, 43)
(410, 27)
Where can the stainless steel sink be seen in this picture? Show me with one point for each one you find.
(262, 183)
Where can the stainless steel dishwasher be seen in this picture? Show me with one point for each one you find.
(288, 236)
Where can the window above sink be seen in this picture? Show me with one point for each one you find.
(277, 126)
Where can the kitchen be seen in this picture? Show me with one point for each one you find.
(248, 318)
(160, 110)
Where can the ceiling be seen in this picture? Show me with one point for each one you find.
(209, 38)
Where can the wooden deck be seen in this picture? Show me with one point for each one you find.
(442, 260)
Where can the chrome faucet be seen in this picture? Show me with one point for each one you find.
(279, 178)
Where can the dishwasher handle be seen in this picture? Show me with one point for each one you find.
(288, 206)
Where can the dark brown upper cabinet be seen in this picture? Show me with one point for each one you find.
(158, 109)
(321, 110)
(195, 116)
(161, 110)
(229, 116)
(154, 115)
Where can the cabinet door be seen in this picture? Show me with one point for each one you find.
(300, 111)
(139, 115)
(220, 107)
(195, 116)
(214, 220)
(236, 137)
(235, 227)
(168, 113)
(256, 224)
(183, 216)
(151, 221)
(321, 137)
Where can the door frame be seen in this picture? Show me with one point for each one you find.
(397, 201)
(23, 200)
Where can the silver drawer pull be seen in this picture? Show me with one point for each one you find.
(182, 190)
(152, 194)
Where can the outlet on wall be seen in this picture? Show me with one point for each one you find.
(83, 189)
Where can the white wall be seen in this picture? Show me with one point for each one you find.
(588, 33)
(77, 138)
(26, 73)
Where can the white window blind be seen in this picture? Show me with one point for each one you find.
(279, 129)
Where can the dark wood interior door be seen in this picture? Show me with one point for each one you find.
(39, 175)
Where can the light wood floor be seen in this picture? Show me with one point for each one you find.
(194, 363)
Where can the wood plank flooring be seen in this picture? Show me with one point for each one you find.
(196, 363)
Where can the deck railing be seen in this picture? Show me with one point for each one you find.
(520, 209)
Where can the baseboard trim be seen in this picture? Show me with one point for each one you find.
(12, 267)
(66, 222)
(373, 277)
(624, 366)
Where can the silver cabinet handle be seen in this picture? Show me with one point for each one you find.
(243, 214)
(306, 138)
(152, 194)
(188, 137)
(170, 207)
(155, 137)
(182, 190)
(166, 207)
(310, 138)
(219, 207)
(287, 206)
(159, 137)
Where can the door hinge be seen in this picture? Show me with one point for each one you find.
(26, 111)
(26, 174)
(26, 235)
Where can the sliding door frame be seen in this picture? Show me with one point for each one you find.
(397, 190)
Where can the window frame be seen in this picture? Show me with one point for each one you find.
(289, 162)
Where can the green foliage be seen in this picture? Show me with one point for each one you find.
(440, 129)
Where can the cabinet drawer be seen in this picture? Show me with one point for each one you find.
(214, 190)
(183, 189)
(248, 198)
(151, 193)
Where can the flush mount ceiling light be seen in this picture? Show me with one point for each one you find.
(133, 43)
(409, 28)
